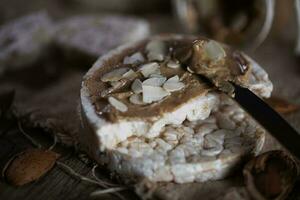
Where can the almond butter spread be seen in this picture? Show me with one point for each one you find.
(150, 78)
(217, 62)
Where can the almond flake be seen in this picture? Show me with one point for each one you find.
(156, 76)
(122, 95)
(156, 50)
(190, 70)
(130, 74)
(136, 86)
(115, 84)
(136, 99)
(134, 58)
(173, 64)
(155, 57)
(214, 50)
(155, 81)
(150, 68)
(114, 75)
(173, 84)
(151, 93)
(117, 104)
(173, 79)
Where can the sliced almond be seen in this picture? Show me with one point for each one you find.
(115, 84)
(134, 58)
(156, 50)
(136, 99)
(155, 56)
(114, 75)
(136, 86)
(156, 76)
(214, 50)
(174, 79)
(173, 64)
(129, 74)
(190, 70)
(117, 104)
(155, 81)
(151, 93)
(150, 68)
(173, 84)
(122, 95)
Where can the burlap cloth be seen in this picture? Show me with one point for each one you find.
(47, 96)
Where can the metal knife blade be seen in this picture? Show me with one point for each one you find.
(269, 119)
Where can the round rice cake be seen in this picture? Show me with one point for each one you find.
(196, 151)
(133, 96)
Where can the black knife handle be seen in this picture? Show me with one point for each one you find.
(269, 119)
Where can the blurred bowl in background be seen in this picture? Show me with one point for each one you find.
(240, 23)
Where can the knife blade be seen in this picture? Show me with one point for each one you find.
(269, 119)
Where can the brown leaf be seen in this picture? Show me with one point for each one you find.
(271, 175)
(282, 106)
(29, 166)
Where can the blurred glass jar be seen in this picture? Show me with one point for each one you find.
(243, 23)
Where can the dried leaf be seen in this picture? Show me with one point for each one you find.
(29, 166)
(282, 106)
(271, 175)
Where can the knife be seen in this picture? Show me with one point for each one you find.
(256, 107)
(269, 119)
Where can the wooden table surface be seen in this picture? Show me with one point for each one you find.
(56, 184)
